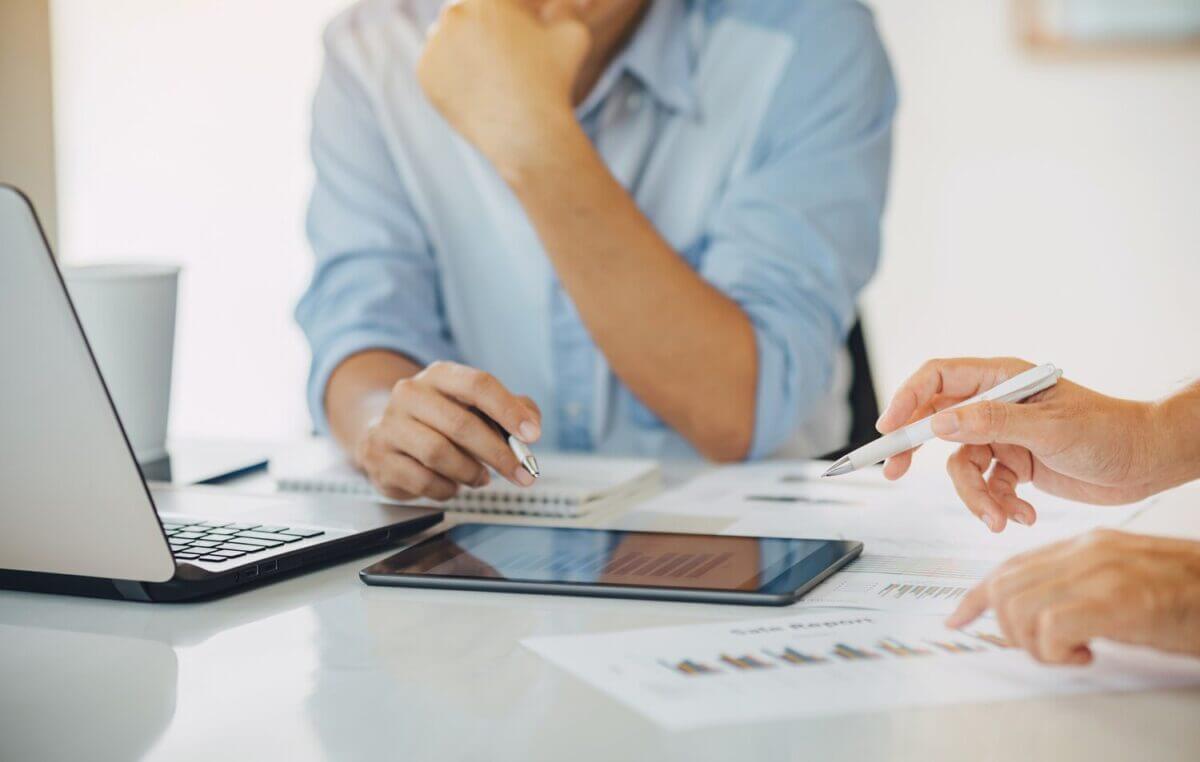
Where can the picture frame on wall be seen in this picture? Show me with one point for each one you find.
(1109, 27)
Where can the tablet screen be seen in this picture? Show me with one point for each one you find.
(611, 557)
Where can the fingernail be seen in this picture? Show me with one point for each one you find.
(484, 479)
(991, 522)
(529, 431)
(523, 477)
(1021, 519)
(944, 424)
(952, 621)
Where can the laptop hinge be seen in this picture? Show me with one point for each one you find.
(130, 590)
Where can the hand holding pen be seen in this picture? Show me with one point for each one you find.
(443, 428)
(1067, 440)
(518, 446)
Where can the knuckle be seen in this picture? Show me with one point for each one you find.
(481, 382)
(395, 493)
(436, 454)
(929, 366)
(458, 424)
(422, 482)
(389, 477)
(1099, 538)
(404, 388)
(983, 417)
(438, 368)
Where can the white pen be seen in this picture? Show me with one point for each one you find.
(1019, 387)
(519, 448)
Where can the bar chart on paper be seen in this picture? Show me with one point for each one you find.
(883, 648)
(893, 583)
(819, 664)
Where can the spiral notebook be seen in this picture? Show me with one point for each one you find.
(570, 485)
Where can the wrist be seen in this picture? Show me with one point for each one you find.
(548, 146)
(1176, 437)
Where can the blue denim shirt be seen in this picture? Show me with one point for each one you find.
(755, 136)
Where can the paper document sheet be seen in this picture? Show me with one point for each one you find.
(919, 516)
(932, 586)
(822, 664)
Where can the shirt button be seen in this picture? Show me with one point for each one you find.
(573, 410)
(634, 102)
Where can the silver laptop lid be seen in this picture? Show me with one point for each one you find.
(72, 500)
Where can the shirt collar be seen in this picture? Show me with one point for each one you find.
(659, 56)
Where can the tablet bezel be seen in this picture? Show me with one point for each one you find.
(784, 588)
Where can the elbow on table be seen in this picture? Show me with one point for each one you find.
(729, 442)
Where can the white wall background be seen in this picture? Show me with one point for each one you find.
(182, 131)
(1047, 209)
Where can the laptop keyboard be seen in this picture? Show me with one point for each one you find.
(217, 541)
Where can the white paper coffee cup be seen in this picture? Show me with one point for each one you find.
(128, 315)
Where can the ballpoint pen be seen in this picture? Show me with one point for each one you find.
(519, 448)
(1019, 387)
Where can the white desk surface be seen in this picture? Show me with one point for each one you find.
(324, 667)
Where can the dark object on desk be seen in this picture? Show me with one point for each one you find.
(864, 405)
(795, 499)
(202, 462)
(771, 571)
(79, 518)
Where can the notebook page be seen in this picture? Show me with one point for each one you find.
(566, 481)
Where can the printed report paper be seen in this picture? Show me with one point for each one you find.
(933, 586)
(822, 664)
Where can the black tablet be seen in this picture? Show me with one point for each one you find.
(766, 571)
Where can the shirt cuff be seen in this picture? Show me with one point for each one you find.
(780, 397)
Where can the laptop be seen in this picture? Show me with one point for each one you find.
(76, 514)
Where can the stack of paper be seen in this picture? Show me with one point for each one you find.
(887, 646)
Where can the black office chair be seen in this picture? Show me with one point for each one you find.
(864, 407)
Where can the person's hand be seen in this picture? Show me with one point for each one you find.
(499, 73)
(1068, 440)
(428, 441)
(1107, 584)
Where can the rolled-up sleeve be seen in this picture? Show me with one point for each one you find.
(375, 282)
(796, 237)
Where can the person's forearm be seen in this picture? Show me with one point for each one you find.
(1178, 424)
(681, 346)
(358, 391)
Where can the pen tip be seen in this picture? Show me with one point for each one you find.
(837, 469)
(531, 465)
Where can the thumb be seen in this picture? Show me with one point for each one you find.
(990, 422)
